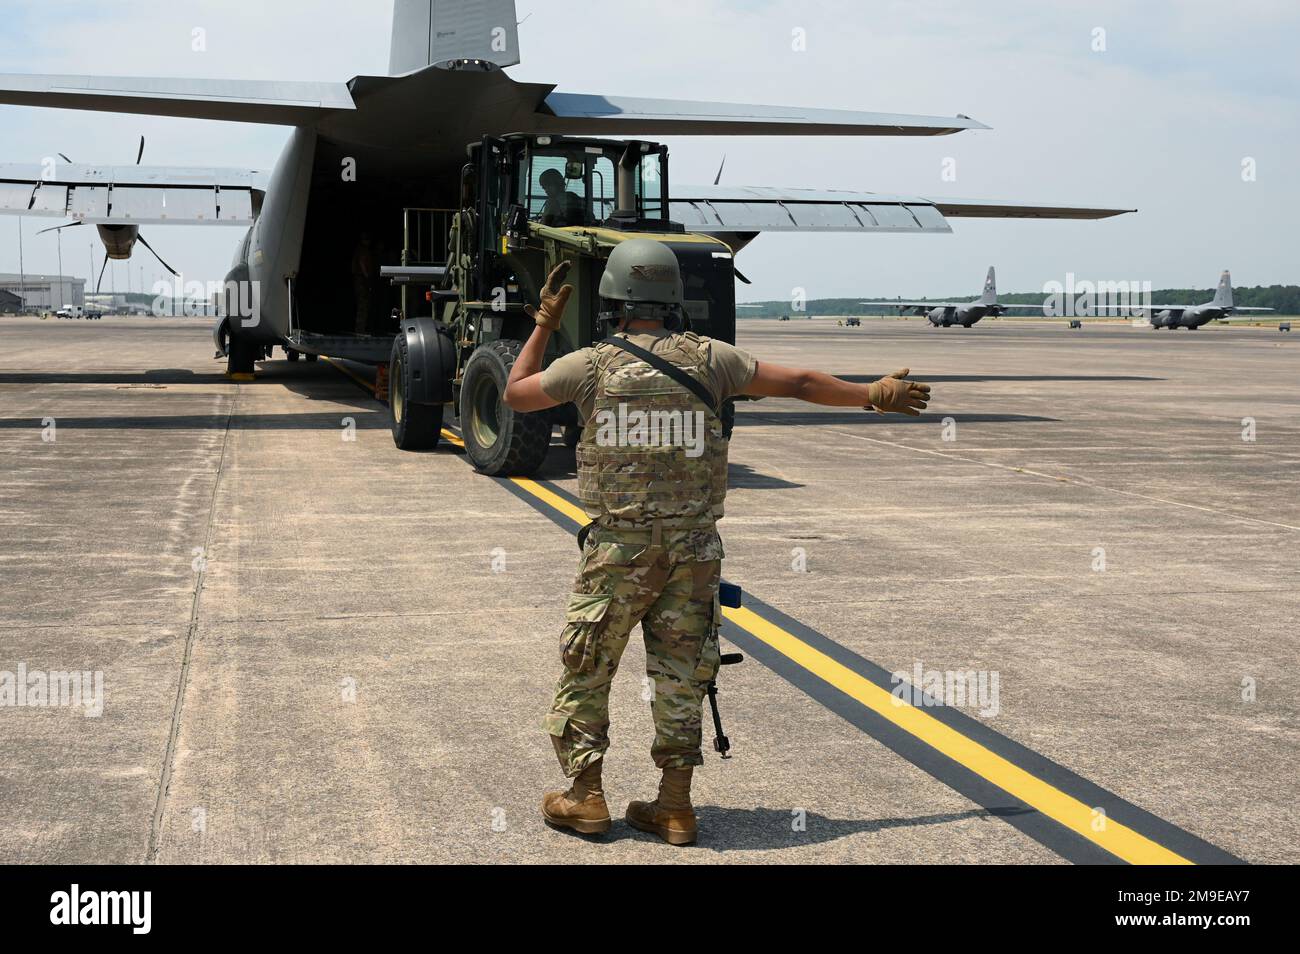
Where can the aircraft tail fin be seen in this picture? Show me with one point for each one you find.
(990, 288)
(1223, 296)
(434, 31)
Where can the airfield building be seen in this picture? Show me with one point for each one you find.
(44, 292)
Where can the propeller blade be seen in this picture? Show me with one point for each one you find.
(139, 155)
(718, 177)
(55, 228)
(156, 255)
(101, 273)
(63, 157)
(741, 277)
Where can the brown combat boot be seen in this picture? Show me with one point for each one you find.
(582, 807)
(670, 816)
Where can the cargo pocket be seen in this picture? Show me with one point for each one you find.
(555, 723)
(584, 620)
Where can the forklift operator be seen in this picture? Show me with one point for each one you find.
(562, 206)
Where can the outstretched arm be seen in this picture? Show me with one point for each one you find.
(524, 389)
(891, 393)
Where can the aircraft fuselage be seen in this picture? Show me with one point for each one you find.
(964, 315)
(1191, 319)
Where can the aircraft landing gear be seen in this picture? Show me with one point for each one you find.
(240, 357)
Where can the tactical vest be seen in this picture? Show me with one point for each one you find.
(633, 460)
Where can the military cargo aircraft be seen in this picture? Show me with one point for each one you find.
(942, 314)
(946, 313)
(403, 137)
(1191, 317)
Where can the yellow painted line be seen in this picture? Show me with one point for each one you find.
(552, 500)
(368, 385)
(1119, 840)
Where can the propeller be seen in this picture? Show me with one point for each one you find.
(156, 255)
(56, 228)
(101, 273)
(718, 177)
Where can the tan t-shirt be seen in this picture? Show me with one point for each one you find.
(573, 376)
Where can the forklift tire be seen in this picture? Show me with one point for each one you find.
(415, 426)
(290, 354)
(572, 434)
(500, 442)
(311, 357)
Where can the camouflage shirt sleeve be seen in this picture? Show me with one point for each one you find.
(732, 369)
(572, 378)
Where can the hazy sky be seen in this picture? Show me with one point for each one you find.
(1161, 121)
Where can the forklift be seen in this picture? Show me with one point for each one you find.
(527, 204)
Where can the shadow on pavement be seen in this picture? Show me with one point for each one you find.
(766, 829)
(366, 421)
(155, 376)
(959, 378)
(747, 418)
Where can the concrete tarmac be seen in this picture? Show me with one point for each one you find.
(315, 647)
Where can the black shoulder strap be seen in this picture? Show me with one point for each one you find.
(691, 384)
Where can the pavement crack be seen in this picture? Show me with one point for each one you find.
(169, 756)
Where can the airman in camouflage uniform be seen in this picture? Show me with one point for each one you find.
(652, 475)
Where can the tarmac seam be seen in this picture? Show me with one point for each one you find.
(169, 755)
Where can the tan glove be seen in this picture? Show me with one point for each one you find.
(554, 297)
(895, 394)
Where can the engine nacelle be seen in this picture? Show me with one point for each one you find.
(118, 240)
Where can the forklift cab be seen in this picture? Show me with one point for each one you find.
(576, 198)
(565, 182)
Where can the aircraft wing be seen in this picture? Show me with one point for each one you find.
(927, 305)
(711, 208)
(586, 114)
(132, 194)
(766, 209)
(1006, 209)
(1041, 309)
(245, 101)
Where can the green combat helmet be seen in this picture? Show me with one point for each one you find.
(642, 271)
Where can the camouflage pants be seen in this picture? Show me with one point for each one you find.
(670, 587)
